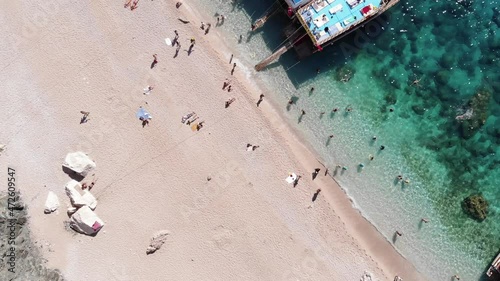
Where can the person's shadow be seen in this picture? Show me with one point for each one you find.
(394, 237)
(301, 117)
(315, 196)
(296, 181)
(314, 174)
(153, 64)
(190, 50)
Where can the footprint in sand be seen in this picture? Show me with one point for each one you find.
(223, 238)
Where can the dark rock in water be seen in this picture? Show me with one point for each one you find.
(476, 206)
(447, 60)
(419, 110)
(345, 73)
(391, 98)
(442, 77)
(496, 89)
(494, 42)
(479, 104)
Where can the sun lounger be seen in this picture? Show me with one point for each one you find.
(336, 9)
(321, 20)
(320, 34)
(319, 6)
(349, 20)
(353, 3)
(338, 27)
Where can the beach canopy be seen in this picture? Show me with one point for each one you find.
(142, 114)
(79, 162)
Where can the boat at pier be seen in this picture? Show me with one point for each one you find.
(323, 22)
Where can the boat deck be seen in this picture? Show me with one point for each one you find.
(324, 19)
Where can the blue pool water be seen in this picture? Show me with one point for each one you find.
(453, 49)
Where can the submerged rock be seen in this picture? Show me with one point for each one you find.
(479, 104)
(418, 109)
(345, 73)
(391, 98)
(476, 206)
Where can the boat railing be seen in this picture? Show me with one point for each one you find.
(381, 9)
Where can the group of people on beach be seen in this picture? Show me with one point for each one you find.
(192, 117)
(132, 5)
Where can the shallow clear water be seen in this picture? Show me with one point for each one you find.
(453, 48)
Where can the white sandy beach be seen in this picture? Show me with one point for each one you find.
(246, 223)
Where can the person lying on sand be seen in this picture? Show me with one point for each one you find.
(134, 5)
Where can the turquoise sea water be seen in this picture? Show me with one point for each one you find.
(453, 48)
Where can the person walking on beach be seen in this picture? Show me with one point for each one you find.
(424, 220)
(400, 177)
(456, 277)
(229, 102)
(229, 89)
(374, 138)
(176, 38)
(231, 59)
(261, 98)
(193, 41)
(330, 136)
(134, 5)
(255, 147)
(348, 108)
(226, 83)
(398, 233)
(208, 28)
(190, 50)
(311, 91)
(335, 110)
(232, 70)
(84, 117)
(315, 196)
(371, 157)
(199, 125)
(155, 60)
(315, 173)
(296, 181)
(382, 147)
(178, 4)
(290, 101)
(148, 90)
(202, 27)
(177, 49)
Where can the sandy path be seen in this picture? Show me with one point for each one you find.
(244, 224)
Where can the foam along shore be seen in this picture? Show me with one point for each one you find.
(244, 223)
